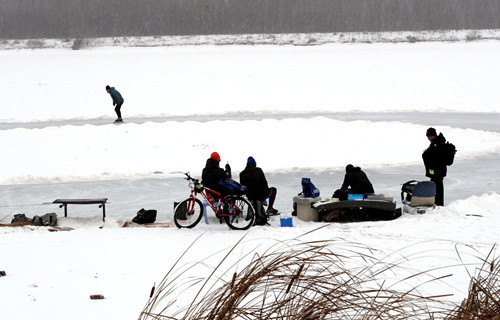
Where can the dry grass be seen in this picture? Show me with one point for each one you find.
(483, 300)
(307, 280)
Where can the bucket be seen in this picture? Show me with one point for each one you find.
(286, 222)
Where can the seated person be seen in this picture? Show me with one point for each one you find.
(212, 173)
(254, 179)
(355, 182)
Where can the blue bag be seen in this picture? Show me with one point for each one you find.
(309, 190)
(233, 186)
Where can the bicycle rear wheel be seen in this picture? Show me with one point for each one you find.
(188, 213)
(241, 214)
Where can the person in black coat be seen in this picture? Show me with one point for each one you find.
(435, 166)
(355, 182)
(254, 179)
(212, 173)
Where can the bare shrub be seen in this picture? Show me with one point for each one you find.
(35, 44)
(79, 44)
(483, 300)
(473, 35)
(412, 39)
(302, 280)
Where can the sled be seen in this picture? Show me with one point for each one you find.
(362, 207)
(418, 196)
(56, 229)
(130, 224)
(16, 224)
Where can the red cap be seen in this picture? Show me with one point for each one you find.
(215, 156)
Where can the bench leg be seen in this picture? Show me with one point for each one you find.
(103, 212)
(65, 205)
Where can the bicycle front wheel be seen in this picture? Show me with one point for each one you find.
(238, 213)
(188, 213)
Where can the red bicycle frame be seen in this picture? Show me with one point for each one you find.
(215, 201)
(231, 207)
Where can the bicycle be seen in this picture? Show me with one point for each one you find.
(233, 208)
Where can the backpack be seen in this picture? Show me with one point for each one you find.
(309, 190)
(48, 219)
(145, 216)
(21, 217)
(449, 151)
(261, 216)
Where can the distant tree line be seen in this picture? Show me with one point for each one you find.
(23, 19)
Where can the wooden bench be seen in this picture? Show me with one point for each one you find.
(64, 203)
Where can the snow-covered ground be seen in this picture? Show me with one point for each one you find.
(299, 110)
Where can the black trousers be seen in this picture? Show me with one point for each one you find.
(117, 110)
(438, 181)
(340, 194)
(271, 196)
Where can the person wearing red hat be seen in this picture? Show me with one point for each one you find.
(213, 173)
(215, 156)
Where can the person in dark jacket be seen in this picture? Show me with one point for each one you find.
(117, 101)
(212, 173)
(355, 182)
(254, 179)
(435, 167)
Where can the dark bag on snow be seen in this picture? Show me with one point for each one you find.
(21, 217)
(261, 216)
(449, 151)
(48, 219)
(145, 216)
(309, 190)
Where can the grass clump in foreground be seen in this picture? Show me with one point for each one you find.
(483, 300)
(308, 280)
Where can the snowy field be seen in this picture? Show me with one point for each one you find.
(300, 111)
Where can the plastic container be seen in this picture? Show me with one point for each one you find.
(286, 222)
(354, 196)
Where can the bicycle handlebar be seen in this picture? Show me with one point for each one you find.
(189, 178)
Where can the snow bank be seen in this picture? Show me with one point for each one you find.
(72, 153)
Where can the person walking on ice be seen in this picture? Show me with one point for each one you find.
(117, 101)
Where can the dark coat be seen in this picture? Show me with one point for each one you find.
(116, 96)
(254, 179)
(434, 158)
(357, 180)
(212, 174)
